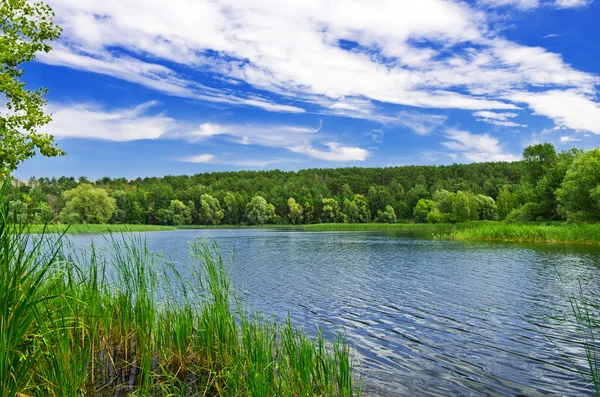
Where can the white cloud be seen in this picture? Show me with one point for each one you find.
(572, 3)
(421, 123)
(91, 121)
(251, 163)
(530, 4)
(478, 148)
(502, 119)
(567, 139)
(336, 152)
(553, 35)
(200, 158)
(568, 109)
(429, 54)
(94, 122)
(293, 138)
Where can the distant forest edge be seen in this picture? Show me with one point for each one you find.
(546, 186)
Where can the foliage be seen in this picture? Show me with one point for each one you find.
(177, 214)
(422, 209)
(487, 209)
(259, 211)
(87, 204)
(26, 29)
(387, 216)
(296, 211)
(506, 202)
(578, 192)
(211, 212)
(331, 210)
(527, 191)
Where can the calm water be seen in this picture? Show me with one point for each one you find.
(426, 318)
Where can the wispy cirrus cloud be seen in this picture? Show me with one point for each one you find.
(92, 121)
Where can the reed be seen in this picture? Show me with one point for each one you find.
(566, 233)
(125, 321)
(321, 227)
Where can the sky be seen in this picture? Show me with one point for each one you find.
(151, 87)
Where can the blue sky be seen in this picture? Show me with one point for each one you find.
(150, 87)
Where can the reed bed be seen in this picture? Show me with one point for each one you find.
(566, 233)
(318, 227)
(95, 229)
(128, 322)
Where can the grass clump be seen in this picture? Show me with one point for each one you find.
(128, 322)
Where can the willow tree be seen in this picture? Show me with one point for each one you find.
(26, 28)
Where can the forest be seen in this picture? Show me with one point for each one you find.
(546, 185)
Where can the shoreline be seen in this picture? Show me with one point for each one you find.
(492, 231)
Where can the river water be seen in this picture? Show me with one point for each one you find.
(424, 317)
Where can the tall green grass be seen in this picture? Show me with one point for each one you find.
(529, 232)
(586, 309)
(128, 322)
(318, 227)
(95, 229)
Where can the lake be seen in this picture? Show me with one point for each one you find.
(425, 317)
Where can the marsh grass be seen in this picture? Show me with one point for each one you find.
(380, 227)
(566, 233)
(95, 229)
(126, 322)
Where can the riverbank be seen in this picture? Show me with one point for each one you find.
(67, 331)
(96, 229)
(553, 233)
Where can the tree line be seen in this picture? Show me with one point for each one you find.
(545, 186)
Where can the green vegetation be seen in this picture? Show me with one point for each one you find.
(26, 29)
(322, 227)
(546, 187)
(96, 229)
(586, 312)
(528, 232)
(125, 322)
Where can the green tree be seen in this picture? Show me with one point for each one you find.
(296, 211)
(231, 209)
(331, 210)
(387, 216)
(26, 29)
(422, 209)
(461, 207)
(349, 212)
(362, 207)
(487, 211)
(87, 204)
(538, 161)
(436, 216)
(505, 202)
(259, 211)
(578, 193)
(210, 211)
(443, 201)
(177, 214)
